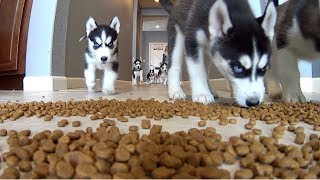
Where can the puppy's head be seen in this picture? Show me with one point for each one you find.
(103, 39)
(151, 72)
(241, 49)
(164, 68)
(137, 64)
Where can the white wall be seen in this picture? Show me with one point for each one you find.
(40, 37)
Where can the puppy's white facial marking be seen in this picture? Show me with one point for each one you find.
(263, 61)
(246, 61)
(108, 41)
(103, 36)
(98, 40)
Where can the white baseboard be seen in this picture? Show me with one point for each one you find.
(44, 83)
(55, 83)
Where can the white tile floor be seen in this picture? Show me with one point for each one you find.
(125, 90)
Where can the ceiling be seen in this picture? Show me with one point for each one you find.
(154, 23)
(149, 4)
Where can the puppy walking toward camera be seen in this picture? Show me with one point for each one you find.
(137, 71)
(163, 74)
(228, 32)
(297, 38)
(151, 77)
(101, 53)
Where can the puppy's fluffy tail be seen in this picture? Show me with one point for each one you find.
(167, 5)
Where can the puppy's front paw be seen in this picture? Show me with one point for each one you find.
(109, 91)
(294, 97)
(203, 98)
(92, 90)
(177, 94)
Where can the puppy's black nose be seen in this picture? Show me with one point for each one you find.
(252, 102)
(104, 58)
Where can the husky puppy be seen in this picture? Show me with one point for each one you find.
(229, 33)
(297, 38)
(101, 53)
(163, 74)
(151, 76)
(137, 71)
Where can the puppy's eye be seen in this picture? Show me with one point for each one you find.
(110, 45)
(96, 45)
(237, 68)
(261, 72)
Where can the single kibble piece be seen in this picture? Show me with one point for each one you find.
(202, 123)
(76, 123)
(133, 128)
(233, 121)
(3, 132)
(300, 136)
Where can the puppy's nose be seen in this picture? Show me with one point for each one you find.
(104, 58)
(252, 102)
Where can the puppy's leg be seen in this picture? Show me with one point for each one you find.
(165, 81)
(109, 79)
(289, 75)
(199, 80)
(134, 79)
(175, 49)
(141, 76)
(272, 78)
(90, 76)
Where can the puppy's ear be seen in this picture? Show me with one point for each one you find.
(219, 19)
(115, 24)
(269, 20)
(91, 25)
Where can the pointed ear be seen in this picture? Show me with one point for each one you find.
(269, 20)
(91, 25)
(219, 20)
(115, 24)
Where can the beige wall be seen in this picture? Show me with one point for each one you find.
(103, 11)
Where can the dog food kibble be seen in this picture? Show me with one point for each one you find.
(145, 124)
(12, 160)
(233, 121)
(10, 173)
(106, 152)
(243, 174)
(25, 166)
(76, 123)
(3, 132)
(133, 128)
(63, 123)
(202, 123)
(64, 170)
(300, 136)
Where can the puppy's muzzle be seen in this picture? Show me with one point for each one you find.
(104, 59)
(252, 102)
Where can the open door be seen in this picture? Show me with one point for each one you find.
(14, 18)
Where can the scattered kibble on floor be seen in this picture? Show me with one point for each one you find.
(105, 152)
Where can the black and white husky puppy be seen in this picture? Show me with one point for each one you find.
(137, 71)
(101, 53)
(163, 74)
(229, 33)
(297, 38)
(151, 77)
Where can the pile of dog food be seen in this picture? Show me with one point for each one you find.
(105, 152)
